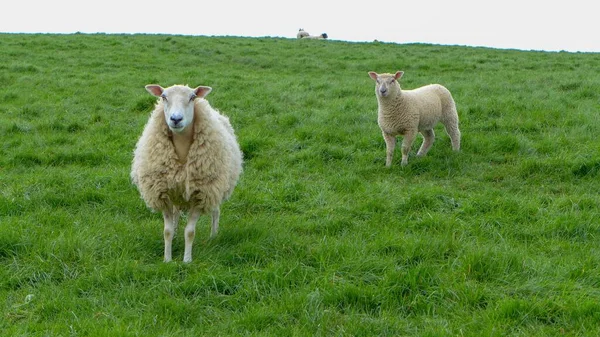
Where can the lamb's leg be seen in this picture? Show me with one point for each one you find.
(428, 138)
(169, 231)
(390, 142)
(190, 233)
(216, 213)
(407, 141)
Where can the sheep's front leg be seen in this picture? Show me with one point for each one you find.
(407, 141)
(190, 233)
(428, 138)
(390, 143)
(171, 217)
(214, 229)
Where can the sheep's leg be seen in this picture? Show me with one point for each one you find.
(176, 217)
(390, 142)
(428, 138)
(169, 231)
(190, 233)
(407, 141)
(214, 229)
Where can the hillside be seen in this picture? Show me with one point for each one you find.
(319, 238)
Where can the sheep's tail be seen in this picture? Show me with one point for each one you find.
(450, 118)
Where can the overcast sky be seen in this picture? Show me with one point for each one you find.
(549, 25)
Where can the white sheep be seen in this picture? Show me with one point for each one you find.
(187, 159)
(302, 33)
(317, 37)
(408, 112)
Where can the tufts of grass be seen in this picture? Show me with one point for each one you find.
(319, 238)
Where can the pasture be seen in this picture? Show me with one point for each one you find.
(319, 238)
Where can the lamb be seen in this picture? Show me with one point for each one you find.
(408, 112)
(302, 33)
(187, 159)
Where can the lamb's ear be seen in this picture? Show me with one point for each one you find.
(398, 74)
(155, 89)
(202, 91)
(373, 75)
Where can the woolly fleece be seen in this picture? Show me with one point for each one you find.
(204, 180)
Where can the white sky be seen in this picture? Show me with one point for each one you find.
(550, 25)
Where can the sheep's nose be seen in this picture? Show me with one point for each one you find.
(383, 91)
(176, 119)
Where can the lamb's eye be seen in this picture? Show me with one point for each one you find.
(392, 81)
(164, 97)
(192, 97)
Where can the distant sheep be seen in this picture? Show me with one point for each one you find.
(322, 36)
(408, 112)
(187, 159)
(302, 33)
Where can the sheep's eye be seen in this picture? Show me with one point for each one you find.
(192, 97)
(392, 81)
(164, 97)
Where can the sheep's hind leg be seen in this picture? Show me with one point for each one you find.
(171, 216)
(407, 141)
(428, 138)
(390, 142)
(214, 229)
(176, 216)
(190, 233)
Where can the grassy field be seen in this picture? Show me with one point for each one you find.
(319, 238)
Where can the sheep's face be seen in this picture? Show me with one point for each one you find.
(386, 84)
(178, 102)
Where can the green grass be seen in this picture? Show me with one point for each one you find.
(319, 238)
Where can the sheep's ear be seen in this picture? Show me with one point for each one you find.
(398, 74)
(202, 91)
(155, 89)
(373, 75)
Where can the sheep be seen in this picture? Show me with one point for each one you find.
(187, 159)
(317, 37)
(302, 33)
(408, 112)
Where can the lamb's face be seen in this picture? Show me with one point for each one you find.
(178, 102)
(386, 84)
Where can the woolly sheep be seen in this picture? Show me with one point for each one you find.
(302, 33)
(322, 36)
(187, 159)
(408, 112)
